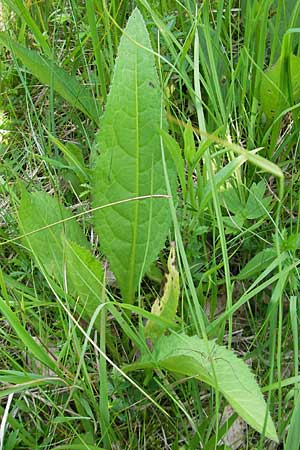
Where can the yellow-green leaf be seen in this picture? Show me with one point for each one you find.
(166, 306)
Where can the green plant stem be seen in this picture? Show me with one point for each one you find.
(91, 14)
(210, 174)
(104, 411)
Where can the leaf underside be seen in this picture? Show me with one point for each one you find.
(130, 163)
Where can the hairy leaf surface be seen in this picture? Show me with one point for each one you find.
(216, 366)
(130, 162)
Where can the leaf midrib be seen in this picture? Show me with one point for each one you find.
(137, 179)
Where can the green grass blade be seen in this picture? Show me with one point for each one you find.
(91, 15)
(211, 177)
(35, 349)
(293, 438)
(22, 10)
(49, 73)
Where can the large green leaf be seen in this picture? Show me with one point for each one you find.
(49, 73)
(130, 163)
(216, 366)
(61, 250)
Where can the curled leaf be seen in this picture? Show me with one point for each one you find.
(166, 306)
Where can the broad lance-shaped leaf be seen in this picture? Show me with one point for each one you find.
(40, 210)
(166, 306)
(130, 163)
(216, 366)
(49, 73)
(61, 249)
(273, 100)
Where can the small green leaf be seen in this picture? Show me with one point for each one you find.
(221, 177)
(176, 155)
(232, 201)
(292, 242)
(233, 224)
(49, 73)
(257, 264)
(130, 164)
(166, 306)
(154, 273)
(216, 366)
(257, 205)
(189, 144)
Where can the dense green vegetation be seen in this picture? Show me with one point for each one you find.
(149, 239)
